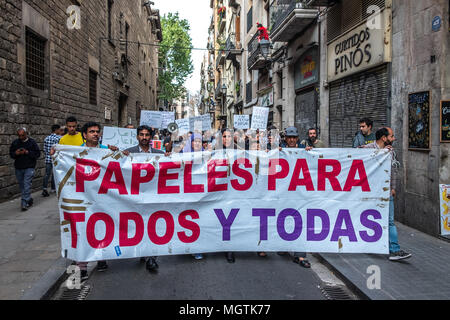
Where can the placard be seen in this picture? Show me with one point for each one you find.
(241, 121)
(157, 144)
(444, 195)
(260, 116)
(183, 125)
(153, 119)
(114, 206)
(122, 138)
(167, 118)
(445, 121)
(419, 110)
(206, 122)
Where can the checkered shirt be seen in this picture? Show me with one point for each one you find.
(49, 142)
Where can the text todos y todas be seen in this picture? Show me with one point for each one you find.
(175, 178)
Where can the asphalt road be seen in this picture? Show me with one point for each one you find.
(213, 278)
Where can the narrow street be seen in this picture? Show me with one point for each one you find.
(213, 278)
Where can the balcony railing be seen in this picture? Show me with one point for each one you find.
(288, 18)
(255, 58)
(231, 51)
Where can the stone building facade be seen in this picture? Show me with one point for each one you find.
(95, 59)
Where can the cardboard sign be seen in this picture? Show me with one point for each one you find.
(260, 116)
(120, 137)
(241, 121)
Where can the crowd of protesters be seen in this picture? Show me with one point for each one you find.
(25, 152)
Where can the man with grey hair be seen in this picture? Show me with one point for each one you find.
(25, 153)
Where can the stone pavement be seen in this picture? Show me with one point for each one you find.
(31, 262)
(424, 276)
(30, 248)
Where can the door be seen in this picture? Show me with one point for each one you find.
(305, 112)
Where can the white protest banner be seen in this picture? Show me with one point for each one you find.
(122, 138)
(260, 116)
(241, 121)
(167, 118)
(114, 206)
(183, 125)
(444, 192)
(153, 119)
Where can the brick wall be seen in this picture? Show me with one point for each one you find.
(69, 55)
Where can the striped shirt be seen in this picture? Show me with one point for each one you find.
(49, 142)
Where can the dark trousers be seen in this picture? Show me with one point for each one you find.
(48, 174)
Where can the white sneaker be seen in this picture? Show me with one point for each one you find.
(400, 255)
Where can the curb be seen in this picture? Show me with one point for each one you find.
(343, 278)
(47, 285)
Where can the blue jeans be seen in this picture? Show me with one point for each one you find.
(393, 236)
(48, 174)
(25, 177)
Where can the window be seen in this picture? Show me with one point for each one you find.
(127, 29)
(110, 4)
(342, 17)
(92, 87)
(249, 19)
(35, 60)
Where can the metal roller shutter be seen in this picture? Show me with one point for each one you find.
(362, 95)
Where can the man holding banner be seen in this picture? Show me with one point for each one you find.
(144, 136)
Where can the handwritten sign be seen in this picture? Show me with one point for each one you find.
(241, 121)
(206, 122)
(445, 121)
(152, 119)
(120, 137)
(183, 125)
(260, 117)
(167, 118)
(419, 108)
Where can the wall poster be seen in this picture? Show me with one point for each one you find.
(419, 112)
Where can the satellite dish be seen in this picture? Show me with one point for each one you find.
(172, 127)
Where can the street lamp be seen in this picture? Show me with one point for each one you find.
(264, 45)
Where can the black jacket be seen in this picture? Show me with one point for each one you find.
(25, 161)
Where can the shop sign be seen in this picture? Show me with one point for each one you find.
(359, 49)
(307, 69)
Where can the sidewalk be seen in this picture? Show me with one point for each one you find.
(424, 276)
(30, 260)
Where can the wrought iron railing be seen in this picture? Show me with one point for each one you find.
(281, 9)
(253, 50)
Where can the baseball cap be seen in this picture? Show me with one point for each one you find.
(291, 132)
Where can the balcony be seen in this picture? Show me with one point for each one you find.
(231, 51)
(218, 93)
(288, 18)
(220, 59)
(256, 60)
